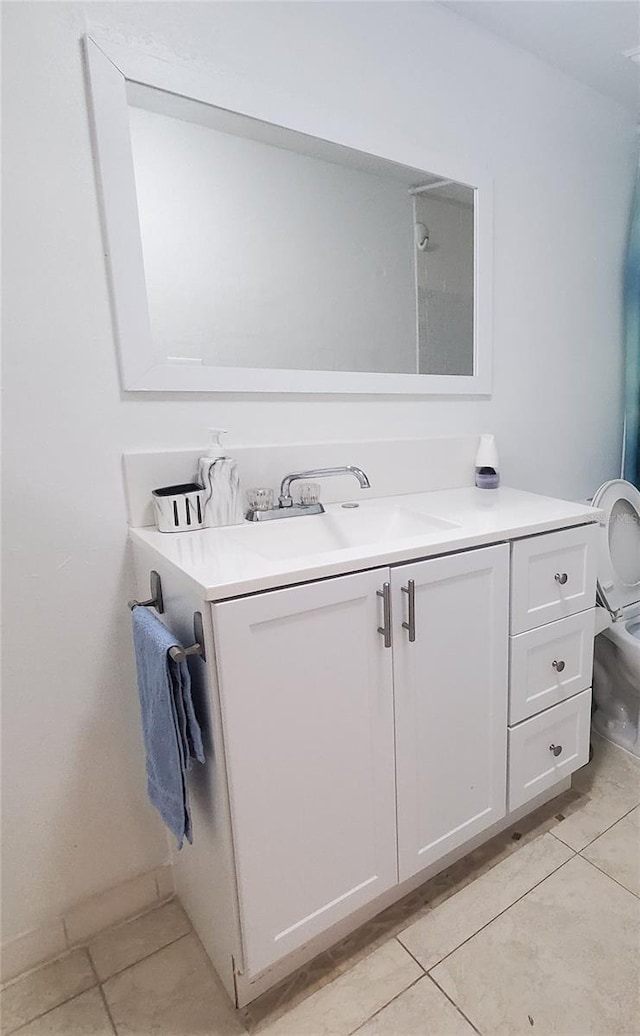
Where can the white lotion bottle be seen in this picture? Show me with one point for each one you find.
(218, 473)
(487, 463)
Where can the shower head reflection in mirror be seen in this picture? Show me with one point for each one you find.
(245, 256)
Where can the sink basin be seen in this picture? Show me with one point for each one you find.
(339, 530)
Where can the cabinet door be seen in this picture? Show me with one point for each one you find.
(451, 701)
(307, 702)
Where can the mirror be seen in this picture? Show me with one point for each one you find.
(261, 252)
(264, 258)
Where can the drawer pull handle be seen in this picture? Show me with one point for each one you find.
(558, 666)
(561, 577)
(556, 749)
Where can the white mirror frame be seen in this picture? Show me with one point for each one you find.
(110, 67)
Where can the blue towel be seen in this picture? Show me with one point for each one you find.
(171, 731)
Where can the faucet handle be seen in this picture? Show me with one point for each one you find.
(260, 498)
(308, 493)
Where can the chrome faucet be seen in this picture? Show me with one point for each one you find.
(288, 509)
(285, 495)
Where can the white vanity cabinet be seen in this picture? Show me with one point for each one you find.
(325, 699)
(370, 719)
(450, 677)
(307, 706)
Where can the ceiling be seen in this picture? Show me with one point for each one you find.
(584, 38)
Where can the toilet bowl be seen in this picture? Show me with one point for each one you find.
(616, 671)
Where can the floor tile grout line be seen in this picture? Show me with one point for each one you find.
(482, 927)
(468, 885)
(596, 837)
(148, 957)
(427, 975)
(424, 970)
(67, 999)
(66, 933)
(84, 944)
(353, 1032)
(133, 963)
(623, 817)
(93, 967)
(38, 967)
(73, 947)
(108, 1010)
(610, 876)
(101, 992)
(562, 842)
(112, 926)
(43, 1014)
(457, 1007)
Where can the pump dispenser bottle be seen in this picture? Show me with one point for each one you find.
(219, 476)
(487, 464)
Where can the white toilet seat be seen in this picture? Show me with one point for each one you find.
(619, 544)
(616, 674)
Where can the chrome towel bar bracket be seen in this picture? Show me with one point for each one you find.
(155, 601)
(179, 654)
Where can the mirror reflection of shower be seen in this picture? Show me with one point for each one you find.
(261, 251)
(443, 212)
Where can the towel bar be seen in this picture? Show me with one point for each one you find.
(155, 601)
(178, 654)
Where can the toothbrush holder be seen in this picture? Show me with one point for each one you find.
(179, 508)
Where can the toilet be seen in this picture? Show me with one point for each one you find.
(616, 674)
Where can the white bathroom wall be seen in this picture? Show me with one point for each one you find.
(562, 158)
(256, 256)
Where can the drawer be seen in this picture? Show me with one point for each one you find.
(548, 747)
(549, 664)
(553, 576)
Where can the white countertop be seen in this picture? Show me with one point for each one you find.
(242, 559)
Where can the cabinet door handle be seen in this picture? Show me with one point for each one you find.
(385, 629)
(561, 577)
(556, 749)
(558, 666)
(410, 591)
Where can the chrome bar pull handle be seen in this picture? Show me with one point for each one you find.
(385, 629)
(410, 591)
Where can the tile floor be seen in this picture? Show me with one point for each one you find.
(536, 932)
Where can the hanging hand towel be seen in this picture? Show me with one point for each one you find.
(170, 728)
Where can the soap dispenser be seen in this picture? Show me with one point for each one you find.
(219, 476)
(487, 464)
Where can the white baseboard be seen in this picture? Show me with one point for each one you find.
(84, 920)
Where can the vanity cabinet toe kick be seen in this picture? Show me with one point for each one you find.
(373, 727)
